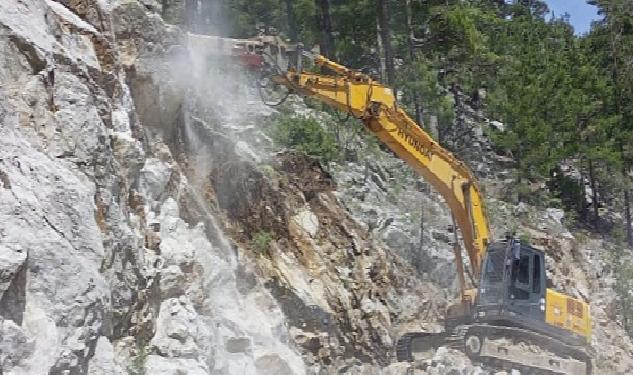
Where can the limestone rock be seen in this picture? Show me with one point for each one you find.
(103, 362)
(15, 346)
(154, 177)
(174, 366)
(272, 364)
(12, 258)
(51, 210)
(177, 330)
(308, 221)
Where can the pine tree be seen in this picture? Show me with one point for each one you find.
(617, 31)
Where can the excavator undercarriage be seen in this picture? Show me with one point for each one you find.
(495, 346)
(507, 325)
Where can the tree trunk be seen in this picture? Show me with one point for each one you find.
(416, 102)
(581, 204)
(627, 216)
(519, 160)
(627, 213)
(385, 37)
(292, 21)
(381, 53)
(594, 192)
(324, 24)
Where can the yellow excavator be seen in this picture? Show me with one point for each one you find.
(506, 314)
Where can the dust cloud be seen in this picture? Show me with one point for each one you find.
(220, 128)
(219, 123)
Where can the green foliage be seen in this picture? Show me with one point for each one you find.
(564, 99)
(421, 78)
(568, 192)
(456, 31)
(532, 94)
(304, 134)
(248, 15)
(262, 240)
(524, 237)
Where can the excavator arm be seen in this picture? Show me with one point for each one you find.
(366, 99)
(375, 104)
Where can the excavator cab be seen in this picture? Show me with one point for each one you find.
(514, 305)
(512, 282)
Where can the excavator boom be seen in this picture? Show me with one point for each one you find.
(376, 106)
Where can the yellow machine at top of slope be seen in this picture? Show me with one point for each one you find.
(508, 308)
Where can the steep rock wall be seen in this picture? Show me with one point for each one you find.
(148, 225)
(101, 270)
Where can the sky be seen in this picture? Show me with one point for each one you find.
(581, 14)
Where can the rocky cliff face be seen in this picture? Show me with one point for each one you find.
(128, 222)
(147, 225)
(110, 259)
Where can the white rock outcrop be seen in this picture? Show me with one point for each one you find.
(99, 272)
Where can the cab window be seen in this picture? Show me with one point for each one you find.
(524, 270)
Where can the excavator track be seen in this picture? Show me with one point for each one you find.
(502, 347)
(404, 352)
(411, 345)
(525, 350)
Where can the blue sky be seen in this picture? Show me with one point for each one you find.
(581, 14)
